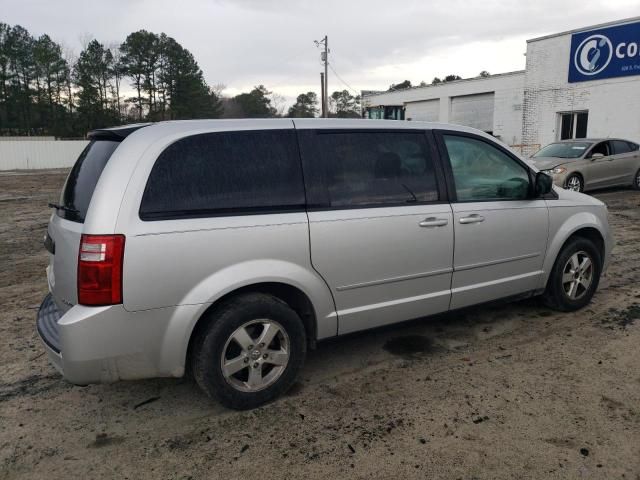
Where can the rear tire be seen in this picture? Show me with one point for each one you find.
(250, 352)
(574, 182)
(574, 277)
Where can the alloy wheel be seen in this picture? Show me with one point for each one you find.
(255, 355)
(574, 183)
(577, 275)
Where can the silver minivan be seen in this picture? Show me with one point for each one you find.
(227, 248)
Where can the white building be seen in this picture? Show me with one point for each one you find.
(580, 83)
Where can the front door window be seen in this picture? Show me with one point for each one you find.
(482, 172)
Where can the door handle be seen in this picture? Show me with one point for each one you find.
(475, 218)
(433, 222)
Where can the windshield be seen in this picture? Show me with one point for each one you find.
(78, 190)
(563, 150)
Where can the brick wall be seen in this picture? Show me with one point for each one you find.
(421, 102)
(613, 104)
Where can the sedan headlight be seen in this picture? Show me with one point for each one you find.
(555, 171)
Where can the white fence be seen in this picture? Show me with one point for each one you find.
(39, 154)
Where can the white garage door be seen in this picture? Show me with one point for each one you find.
(473, 111)
(426, 111)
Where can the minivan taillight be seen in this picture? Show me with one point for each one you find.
(100, 269)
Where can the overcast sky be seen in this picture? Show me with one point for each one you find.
(373, 43)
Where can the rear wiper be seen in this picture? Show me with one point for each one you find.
(62, 207)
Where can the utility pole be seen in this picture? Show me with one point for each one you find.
(322, 94)
(324, 56)
(326, 77)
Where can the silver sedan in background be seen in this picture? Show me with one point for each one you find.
(587, 164)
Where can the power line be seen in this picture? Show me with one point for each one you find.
(345, 83)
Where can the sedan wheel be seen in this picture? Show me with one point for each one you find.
(577, 275)
(636, 180)
(574, 183)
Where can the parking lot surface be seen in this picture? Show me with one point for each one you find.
(500, 391)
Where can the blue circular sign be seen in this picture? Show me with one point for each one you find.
(593, 54)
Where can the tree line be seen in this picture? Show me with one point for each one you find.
(342, 104)
(436, 80)
(46, 90)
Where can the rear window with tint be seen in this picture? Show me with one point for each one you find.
(356, 169)
(83, 178)
(620, 146)
(225, 174)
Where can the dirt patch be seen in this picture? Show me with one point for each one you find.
(409, 346)
(32, 385)
(622, 318)
(104, 440)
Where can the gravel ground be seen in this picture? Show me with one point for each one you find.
(503, 391)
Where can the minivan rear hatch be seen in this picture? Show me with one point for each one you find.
(66, 224)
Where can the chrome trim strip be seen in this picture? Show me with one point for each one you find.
(391, 303)
(211, 229)
(492, 283)
(394, 279)
(496, 262)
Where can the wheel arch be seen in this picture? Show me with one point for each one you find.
(577, 173)
(583, 224)
(295, 298)
(295, 284)
(592, 234)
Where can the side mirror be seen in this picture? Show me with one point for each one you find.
(544, 184)
(597, 155)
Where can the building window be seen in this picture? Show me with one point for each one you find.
(385, 113)
(375, 113)
(394, 113)
(573, 125)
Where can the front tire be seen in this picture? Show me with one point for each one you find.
(574, 277)
(575, 183)
(636, 181)
(250, 352)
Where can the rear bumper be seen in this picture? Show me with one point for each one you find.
(47, 326)
(105, 344)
